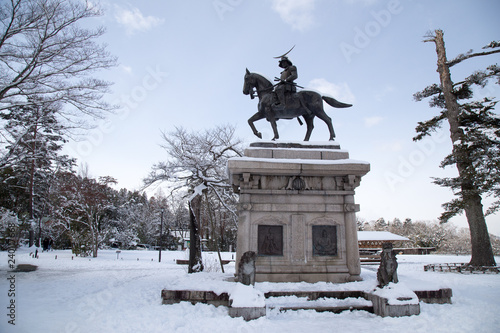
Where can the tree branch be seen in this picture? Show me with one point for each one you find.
(463, 57)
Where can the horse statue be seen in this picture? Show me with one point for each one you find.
(305, 103)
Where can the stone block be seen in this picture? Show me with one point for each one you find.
(297, 154)
(400, 307)
(248, 314)
(338, 277)
(194, 296)
(441, 296)
(259, 152)
(335, 155)
(26, 268)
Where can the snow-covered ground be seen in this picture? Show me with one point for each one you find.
(108, 295)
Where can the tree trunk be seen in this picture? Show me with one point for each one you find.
(195, 262)
(94, 236)
(482, 253)
(31, 185)
(215, 241)
(95, 246)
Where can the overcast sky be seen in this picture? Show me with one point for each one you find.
(182, 64)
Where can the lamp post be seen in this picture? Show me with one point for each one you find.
(161, 234)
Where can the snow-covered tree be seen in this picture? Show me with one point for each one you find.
(430, 234)
(475, 135)
(360, 222)
(197, 163)
(10, 229)
(380, 224)
(458, 243)
(127, 228)
(33, 139)
(45, 52)
(84, 209)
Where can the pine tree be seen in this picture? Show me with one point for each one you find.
(34, 139)
(475, 134)
(380, 224)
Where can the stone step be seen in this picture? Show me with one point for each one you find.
(194, 296)
(333, 309)
(186, 262)
(324, 304)
(320, 301)
(313, 295)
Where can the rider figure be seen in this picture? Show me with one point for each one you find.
(286, 84)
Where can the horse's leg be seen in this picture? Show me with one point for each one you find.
(255, 117)
(328, 121)
(275, 129)
(310, 125)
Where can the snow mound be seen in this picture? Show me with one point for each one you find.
(397, 294)
(243, 296)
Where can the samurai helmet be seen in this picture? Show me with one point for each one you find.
(284, 59)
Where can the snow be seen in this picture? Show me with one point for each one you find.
(198, 190)
(299, 143)
(294, 301)
(379, 236)
(397, 293)
(308, 149)
(104, 294)
(298, 160)
(246, 296)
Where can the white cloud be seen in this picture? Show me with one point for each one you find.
(394, 146)
(340, 92)
(382, 93)
(372, 121)
(297, 13)
(134, 21)
(362, 2)
(126, 69)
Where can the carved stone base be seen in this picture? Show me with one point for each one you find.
(297, 211)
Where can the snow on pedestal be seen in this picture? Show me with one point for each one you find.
(246, 296)
(394, 300)
(246, 302)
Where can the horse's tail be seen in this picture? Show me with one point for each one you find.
(336, 104)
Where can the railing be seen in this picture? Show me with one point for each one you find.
(461, 268)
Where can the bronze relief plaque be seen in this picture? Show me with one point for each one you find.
(324, 239)
(270, 240)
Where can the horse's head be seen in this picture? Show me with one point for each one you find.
(258, 82)
(249, 83)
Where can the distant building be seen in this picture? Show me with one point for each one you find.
(370, 244)
(375, 239)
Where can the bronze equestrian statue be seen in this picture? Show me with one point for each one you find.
(281, 101)
(285, 86)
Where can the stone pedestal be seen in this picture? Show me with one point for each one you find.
(297, 211)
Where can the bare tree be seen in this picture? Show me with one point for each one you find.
(44, 52)
(475, 134)
(197, 162)
(198, 158)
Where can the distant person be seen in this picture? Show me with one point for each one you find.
(45, 244)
